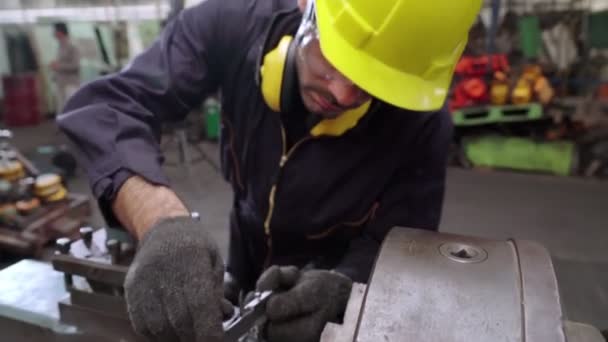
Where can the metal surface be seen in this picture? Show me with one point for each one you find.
(418, 294)
(81, 296)
(32, 285)
(466, 254)
(540, 296)
(96, 259)
(426, 286)
(29, 292)
(250, 317)
(345, 332)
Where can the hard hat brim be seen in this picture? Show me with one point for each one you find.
(378, 79)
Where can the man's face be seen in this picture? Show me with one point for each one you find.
(324, 90)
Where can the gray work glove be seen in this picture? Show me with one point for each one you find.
(303, 303)
(174, 287)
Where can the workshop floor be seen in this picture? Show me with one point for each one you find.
(568, 216)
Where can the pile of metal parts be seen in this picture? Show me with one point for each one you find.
(80, 296)
(35, 207)
(488, 80)
(425, 287)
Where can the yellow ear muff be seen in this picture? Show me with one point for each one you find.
(272, 72)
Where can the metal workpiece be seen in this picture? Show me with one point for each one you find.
(29, 293)
(246, 324)
(62, 245)
(100, 260)
(464, 253)
(542, 314)
(425, 287)
(473, 290)
(345, 332)
(86, 234)
(114, 249)
(80, 297)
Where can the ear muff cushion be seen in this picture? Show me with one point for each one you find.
(272, 73)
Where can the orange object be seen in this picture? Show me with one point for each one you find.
(602, 92)
(7, 210)
(11, 170)
(499, 93)
(543, 90)
(475, 88)
(500, 76)
(522, 93)
(531, 72)
(479, 66)
(499, 89)
(532, 85)
(27, 206)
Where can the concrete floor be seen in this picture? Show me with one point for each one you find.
(568, 216)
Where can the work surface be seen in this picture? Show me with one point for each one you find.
(568, 216)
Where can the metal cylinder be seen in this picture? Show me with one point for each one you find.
(63, 245)
(114, 249)
(86, 234)
(428, 286)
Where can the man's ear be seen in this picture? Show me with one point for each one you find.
(302, 5)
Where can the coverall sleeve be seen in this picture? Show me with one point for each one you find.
(413, 198)
(115, 122)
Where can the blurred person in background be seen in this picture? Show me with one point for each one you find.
(65, 67)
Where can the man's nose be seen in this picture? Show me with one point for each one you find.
(347, 94)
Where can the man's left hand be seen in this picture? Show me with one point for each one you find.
(304, 301)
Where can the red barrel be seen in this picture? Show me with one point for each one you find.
(22, 100)
(602, 92)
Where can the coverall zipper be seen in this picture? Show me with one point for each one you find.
(271, 197)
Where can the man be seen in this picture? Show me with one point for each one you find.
(329, 139)
(66, 67)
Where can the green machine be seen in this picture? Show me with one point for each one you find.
(484, 142)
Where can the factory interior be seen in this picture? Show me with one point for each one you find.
(523, 216)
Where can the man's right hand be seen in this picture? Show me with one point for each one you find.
(174, 287)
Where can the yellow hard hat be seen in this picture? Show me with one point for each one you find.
(400, 51)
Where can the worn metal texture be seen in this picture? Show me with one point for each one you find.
(345, 332)
(251, 316)
(540, 295)
(90, 258)
(80, 297)
(477, 294)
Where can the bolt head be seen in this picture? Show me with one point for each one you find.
(63, 245)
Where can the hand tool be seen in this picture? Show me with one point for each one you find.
(248, 319)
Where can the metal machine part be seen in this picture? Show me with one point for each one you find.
(429, 286)
(81, 297)
(426, 286)
(250, 317)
